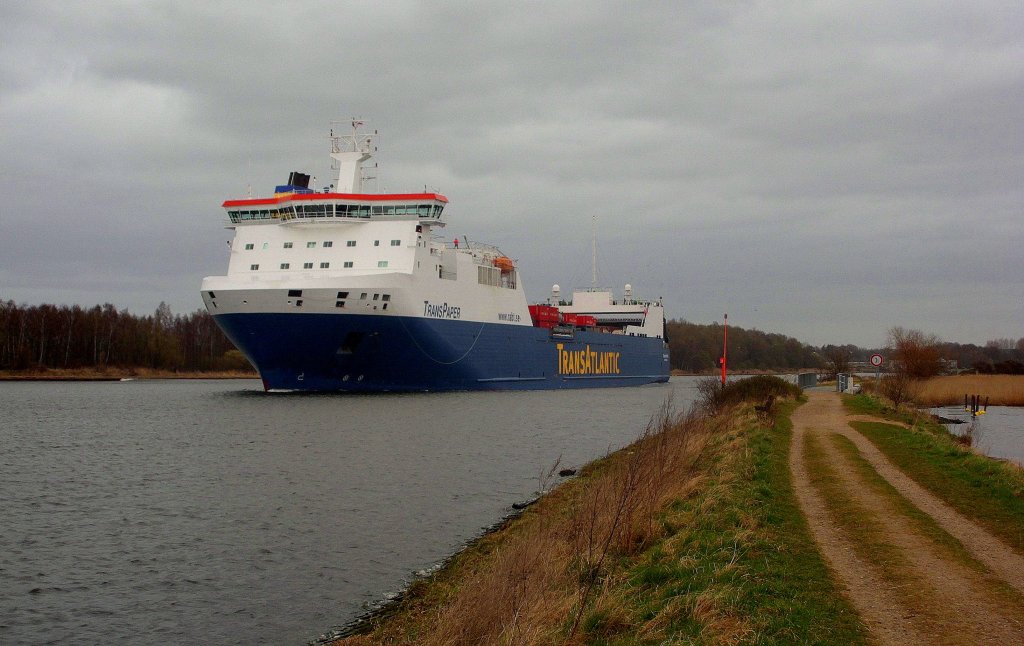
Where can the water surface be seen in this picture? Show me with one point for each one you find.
(998, 433)
(167, 512)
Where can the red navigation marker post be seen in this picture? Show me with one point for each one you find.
(725, 347)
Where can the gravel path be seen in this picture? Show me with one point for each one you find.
(933, 598)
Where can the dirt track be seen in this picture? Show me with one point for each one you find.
(930, 597)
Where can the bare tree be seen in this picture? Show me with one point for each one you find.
(837, 360)
(1000, 344)
(915, 353)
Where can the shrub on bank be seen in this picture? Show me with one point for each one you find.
(715, 397)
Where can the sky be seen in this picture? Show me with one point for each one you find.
(826, 170)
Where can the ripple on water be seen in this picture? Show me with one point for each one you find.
(209, 512)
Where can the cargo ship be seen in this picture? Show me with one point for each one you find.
(346, 290)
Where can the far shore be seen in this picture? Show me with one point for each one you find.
(117, 374)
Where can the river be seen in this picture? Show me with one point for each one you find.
(202, 511)
(999, 432)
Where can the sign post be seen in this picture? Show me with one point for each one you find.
(876, 361)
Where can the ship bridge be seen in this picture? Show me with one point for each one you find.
(292, 206)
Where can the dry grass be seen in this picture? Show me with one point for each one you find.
(546, 578)
(1002, 390)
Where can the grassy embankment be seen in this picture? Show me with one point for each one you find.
(113, 374)
(692, 533)
(989, 491)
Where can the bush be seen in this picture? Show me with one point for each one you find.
(899, 388)
(714, 397)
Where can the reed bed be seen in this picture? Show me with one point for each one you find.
(1002, 390)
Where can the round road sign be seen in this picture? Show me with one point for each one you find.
(876, 360)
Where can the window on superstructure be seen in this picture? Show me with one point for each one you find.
(362, 296)
(285, 265)
(382, 263)
(287, 245)
(266, 245)
(307, 265)
(376, 297)
(311, 245)
(376, 243)
(328, 243)
(342, 294)
(350, 243)
(254, 267)
(325, 265)
(488, 275)
(386, 297)
(385, 306)
(250, 246)
(339, 303)
(315, 210)
(294, 293)
(348, 264)
(396, 243)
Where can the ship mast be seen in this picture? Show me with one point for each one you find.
(350, 151)
(593, 252)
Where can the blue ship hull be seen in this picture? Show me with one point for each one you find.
(363, 353)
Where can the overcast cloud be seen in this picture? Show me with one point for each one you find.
(825, 170)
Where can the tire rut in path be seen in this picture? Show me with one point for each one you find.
(966, 612)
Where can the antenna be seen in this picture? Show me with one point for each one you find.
(349, 152)
(593, 253)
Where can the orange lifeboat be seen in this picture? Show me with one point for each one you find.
(504, 263)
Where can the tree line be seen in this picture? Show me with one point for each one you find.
(695, 347)
(72, 337)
